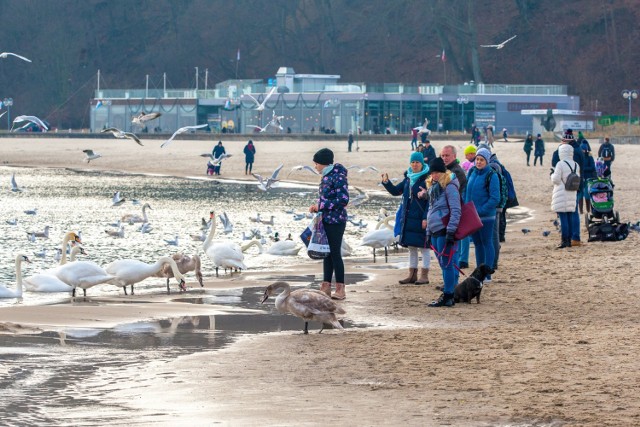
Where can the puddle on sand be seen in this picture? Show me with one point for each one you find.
(69, 377)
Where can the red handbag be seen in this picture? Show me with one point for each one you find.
(469, 220)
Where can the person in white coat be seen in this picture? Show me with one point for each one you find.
(563, 201)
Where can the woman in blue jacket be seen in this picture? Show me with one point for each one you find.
(443, 193)
(483, 188)
(413, 220)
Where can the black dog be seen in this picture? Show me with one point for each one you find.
(471, 287)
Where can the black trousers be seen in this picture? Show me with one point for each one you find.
(333, 263)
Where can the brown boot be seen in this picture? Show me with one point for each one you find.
(413, 275)
(424, 277)
(575, 243)
(326, 288)
(339, 293)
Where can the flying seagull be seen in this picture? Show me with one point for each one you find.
(117, 199)
(303, 167)
(90, 155)
(500, 45)
(6, 54)
(216, 160)
(260, 106)
(142, 118)
(182, 130)
(266, 184)
(32, 119)
(122, 135)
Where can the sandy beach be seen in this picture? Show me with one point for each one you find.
(553, 341)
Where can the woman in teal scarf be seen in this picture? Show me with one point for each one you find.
(413, 217)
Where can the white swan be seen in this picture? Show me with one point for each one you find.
(17, 293)
(116, 233)
(380, 238)
(133, 218)
(131, 271)
(82, 274)
(223, 254)
(307, 304)
(284, 248)
(47, 282)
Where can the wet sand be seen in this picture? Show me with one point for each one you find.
(552, 342)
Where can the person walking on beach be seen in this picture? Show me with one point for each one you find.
(218, 151)
(538, 152)
(249, 156)
(444, 199)
(563, 201)
(429, 152)
(350, 141)
(490, 136)
(504, 134)
(528, 147)
(414, 138)
(413, 219)
(589, 172)
(607, 152)
(332, 202)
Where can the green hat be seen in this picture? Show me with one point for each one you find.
(417, 156)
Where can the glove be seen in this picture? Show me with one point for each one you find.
(427, 241)
(552, 171)
(449, 242)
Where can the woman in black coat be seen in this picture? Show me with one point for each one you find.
(413, 218)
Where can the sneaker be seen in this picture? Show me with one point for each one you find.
(575, 243)
(487, 280)
(445, 300)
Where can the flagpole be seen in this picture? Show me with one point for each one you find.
(444, 66)
(237, 61)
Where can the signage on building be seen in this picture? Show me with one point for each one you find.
(518, 106)
(484, 118)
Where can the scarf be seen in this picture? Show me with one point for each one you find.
(414, 176)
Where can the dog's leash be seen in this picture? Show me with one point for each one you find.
(450, 255)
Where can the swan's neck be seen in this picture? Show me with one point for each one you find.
(144, 213)
(253, 242)
(174, 267)
(19, 276)
(65, 242)
(385, 222)
(286, 290)
(212, 233)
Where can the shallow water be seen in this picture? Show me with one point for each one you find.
(81, 200)
(73, 377)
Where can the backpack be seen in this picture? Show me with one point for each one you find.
(504, 191)
(573, 180)
(606, 153)
(512, 199)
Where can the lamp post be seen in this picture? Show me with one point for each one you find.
(462, 101)
(8, 102)
(629, 95)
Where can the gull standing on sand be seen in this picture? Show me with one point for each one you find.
(14, 185)
(91, 155)
(271, 182)
(117, 199)
(122, 135)
(4, 55)
(182, 130)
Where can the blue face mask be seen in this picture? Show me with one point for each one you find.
(327, 169)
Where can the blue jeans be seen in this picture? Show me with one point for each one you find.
(449, 273)
(566, 225)
(464, 250)
(575, 220)
(483, 241)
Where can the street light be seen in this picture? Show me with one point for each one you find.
(629, 95)
(8, 102)
(462, 101)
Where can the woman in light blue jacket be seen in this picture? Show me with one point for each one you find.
(483, 188)
(443, 192)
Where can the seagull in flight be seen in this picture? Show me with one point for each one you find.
(6, 54)
(266, 184)
(143, 117)
(364, 169)
(499, 45)
(303, 167)
(32, 119)
(122, 135)
(14, 185)
(117, 199)
(216, 160)
(91, 155)
(261, 106)
(182, 130)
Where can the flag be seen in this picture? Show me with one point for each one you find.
(443, 57)
(238, 55)
(98, 104)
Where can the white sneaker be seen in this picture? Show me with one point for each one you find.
(487, 280)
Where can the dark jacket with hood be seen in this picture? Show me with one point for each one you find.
(414, 210)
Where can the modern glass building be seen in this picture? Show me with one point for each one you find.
(304, 103)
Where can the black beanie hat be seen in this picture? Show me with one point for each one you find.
(324, 156)
(437, 165)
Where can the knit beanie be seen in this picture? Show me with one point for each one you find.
(417, 156)
(483, 152)
(437, 165)
(324, 156)
(470, 149)
(485, 146)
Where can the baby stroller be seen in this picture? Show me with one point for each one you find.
(600, 192)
